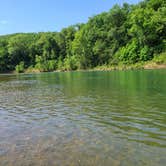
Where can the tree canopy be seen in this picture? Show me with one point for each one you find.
(126, 34)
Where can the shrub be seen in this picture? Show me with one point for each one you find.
(129, 53)
(145, 54)
(20, 67)
(70, 63)
(161, 59)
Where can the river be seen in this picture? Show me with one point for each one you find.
(115, 118)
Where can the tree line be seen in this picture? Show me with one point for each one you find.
(126, 34)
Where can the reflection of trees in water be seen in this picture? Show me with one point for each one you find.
(85, 114)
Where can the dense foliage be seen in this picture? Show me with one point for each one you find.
(126, 34)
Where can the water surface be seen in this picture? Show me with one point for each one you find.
(115, 118)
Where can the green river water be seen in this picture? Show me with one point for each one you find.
(115, 118)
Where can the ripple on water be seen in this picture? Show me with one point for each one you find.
(83, 119)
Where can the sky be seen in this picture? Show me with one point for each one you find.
(49, 15)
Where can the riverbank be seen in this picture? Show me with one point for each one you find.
(156, 63)
(145, 65)
(137, 66)
(151, 65)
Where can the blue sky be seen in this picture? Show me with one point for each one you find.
(49, 15)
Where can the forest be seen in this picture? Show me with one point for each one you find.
(127, 34)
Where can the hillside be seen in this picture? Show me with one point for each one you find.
(124, 36)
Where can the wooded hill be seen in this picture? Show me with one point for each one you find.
(126, 34)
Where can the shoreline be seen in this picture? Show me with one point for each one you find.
(148, 66)
(137, 66)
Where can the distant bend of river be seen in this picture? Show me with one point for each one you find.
(115, 118)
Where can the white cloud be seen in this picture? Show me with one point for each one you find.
(3, 22)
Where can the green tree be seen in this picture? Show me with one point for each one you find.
(20, 67)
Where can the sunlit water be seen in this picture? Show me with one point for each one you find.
(113, 118)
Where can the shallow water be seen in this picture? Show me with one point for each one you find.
(115, 118)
